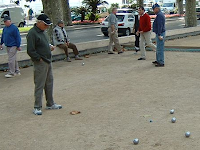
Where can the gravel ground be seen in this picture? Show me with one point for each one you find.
(117, 96)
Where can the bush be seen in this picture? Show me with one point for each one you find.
(91, 16)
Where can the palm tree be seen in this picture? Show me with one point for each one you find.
(92, 4)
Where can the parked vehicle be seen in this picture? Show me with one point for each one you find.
(149, 10)
(198, 12)
(16, 13)
(125, 24)
(125, 10)
(76, 18)
(169, 6)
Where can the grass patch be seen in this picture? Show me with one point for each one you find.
(21, 29)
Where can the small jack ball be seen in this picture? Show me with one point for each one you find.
(172, 111)
(173, 120)
(135, 141)
(187, 134)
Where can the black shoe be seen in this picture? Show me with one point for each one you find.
(155, 62)
(111, 53)
(120, 52)
(142, 59)
(137, 50)
(159, 65)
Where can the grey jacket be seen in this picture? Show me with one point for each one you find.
(112, 20)
(58, 36)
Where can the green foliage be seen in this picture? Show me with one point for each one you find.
(90, 15)
(134, 6)
(125, 6)
(112, 6)
(78, 10)
(92, 5)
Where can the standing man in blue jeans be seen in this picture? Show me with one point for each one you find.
(159, 29)
(12, 40)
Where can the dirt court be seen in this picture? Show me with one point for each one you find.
(117, 96)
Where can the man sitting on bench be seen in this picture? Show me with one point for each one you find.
(61, 40)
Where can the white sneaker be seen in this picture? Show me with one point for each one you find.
(37, 111)
(55, 106)
(18, 74)
(9, 75)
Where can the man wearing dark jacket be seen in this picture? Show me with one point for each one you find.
(159, 29)
(39, 50)
(12, 40)
(135, 29)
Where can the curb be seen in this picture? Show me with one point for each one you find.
(99, 48)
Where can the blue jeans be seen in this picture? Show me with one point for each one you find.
(160, 49)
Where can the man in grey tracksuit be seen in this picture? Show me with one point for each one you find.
(39, 50)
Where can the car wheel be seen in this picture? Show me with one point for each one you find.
(127, 32)
(21, 24)
(105, 34)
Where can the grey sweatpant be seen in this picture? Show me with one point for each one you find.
(113, 39)
(12, 60)
(146, 38)
(43, 79)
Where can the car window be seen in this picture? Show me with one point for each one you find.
(197, 9)
(130, 18)
(168, 4)
(5, 13)
(120, 18)
(130, 11)
(125, 11)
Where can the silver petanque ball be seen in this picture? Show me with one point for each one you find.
(187, 134)
(172, 111)
(83, 64)
(135, 141)
(173, 120)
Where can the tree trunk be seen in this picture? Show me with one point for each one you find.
(140, 2)
(180, 7)
(94, 11)
(53, 9)
(190, 14)
(66, 12)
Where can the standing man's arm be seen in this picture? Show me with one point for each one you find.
(134, 28)
(112, 28)
(2, 36)
(68, 40)
(160, 22)
(112, 22)
(18, 39)
(31, 49)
